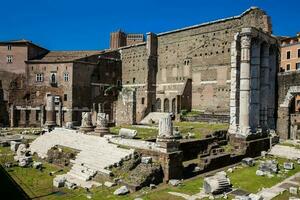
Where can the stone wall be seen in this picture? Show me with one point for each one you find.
(288, 88)
(202, 52)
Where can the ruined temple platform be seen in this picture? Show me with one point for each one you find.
(95, 155)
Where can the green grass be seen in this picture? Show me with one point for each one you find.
(245, 177)
(200, 129)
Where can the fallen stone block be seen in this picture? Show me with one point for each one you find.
(109, 184)
(121, 191)
(14, 145)
(146, 160)
(174, 182)
(259, 173)
(37, 165)
(59, 181)
(127, 133)
(288, 165)
(293, 190)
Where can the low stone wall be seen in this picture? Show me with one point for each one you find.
(207, 118)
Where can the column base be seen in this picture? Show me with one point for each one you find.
(170, 144)
(86, 129)
(101, 131)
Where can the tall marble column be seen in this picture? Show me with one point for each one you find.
(50, 111)
(255, 85)
(234, 84)
(244, 125)
(265, 86)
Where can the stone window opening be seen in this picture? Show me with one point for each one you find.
(288, 55)
(143, 100)
(39, 77)
(133, 80)
(9, 59)
(65, 97)
(288, 67)
(66, 77)
(53, 78)
(298, 66)
(298, 53)
(9, 47)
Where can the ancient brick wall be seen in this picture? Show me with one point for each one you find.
(203, 54)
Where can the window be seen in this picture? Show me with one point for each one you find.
(288, 67)
(298, 53)
(66, 77)
(9, 47)
(39, 77)
(288, 55)
(53, 78)
(9, 59)
(65, 97)
(133, 80)
(298, 66)
(143, 100)
(119, 83)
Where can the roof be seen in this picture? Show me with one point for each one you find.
(211, 22)
(65, 56)
(21, 41)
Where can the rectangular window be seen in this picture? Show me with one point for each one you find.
(65, 97)
(9, 47)
(288, 67)
(143, 100)
(66, 77)
(288, 55)
(298, 66)
(9, 59)
(39, 77)
(298, 53)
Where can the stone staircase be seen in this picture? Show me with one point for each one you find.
(154, 116)
(96, 154)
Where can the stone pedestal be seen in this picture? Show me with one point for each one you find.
(86, 123)
(165, 137)
(102, 126)
(50, 112)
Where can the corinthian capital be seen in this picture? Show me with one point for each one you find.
(245, 41)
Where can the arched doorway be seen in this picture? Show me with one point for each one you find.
(166, 105)
(288, 121)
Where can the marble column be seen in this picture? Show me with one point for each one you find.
(165, 127)
(244, 125)
(12, 116)
(254, 109)
(265, 86)
(50, 111)
(234, 84)
(86, 122)
(102, 125)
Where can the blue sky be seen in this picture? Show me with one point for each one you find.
(74, 24)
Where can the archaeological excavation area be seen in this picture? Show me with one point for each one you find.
(200, 112)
